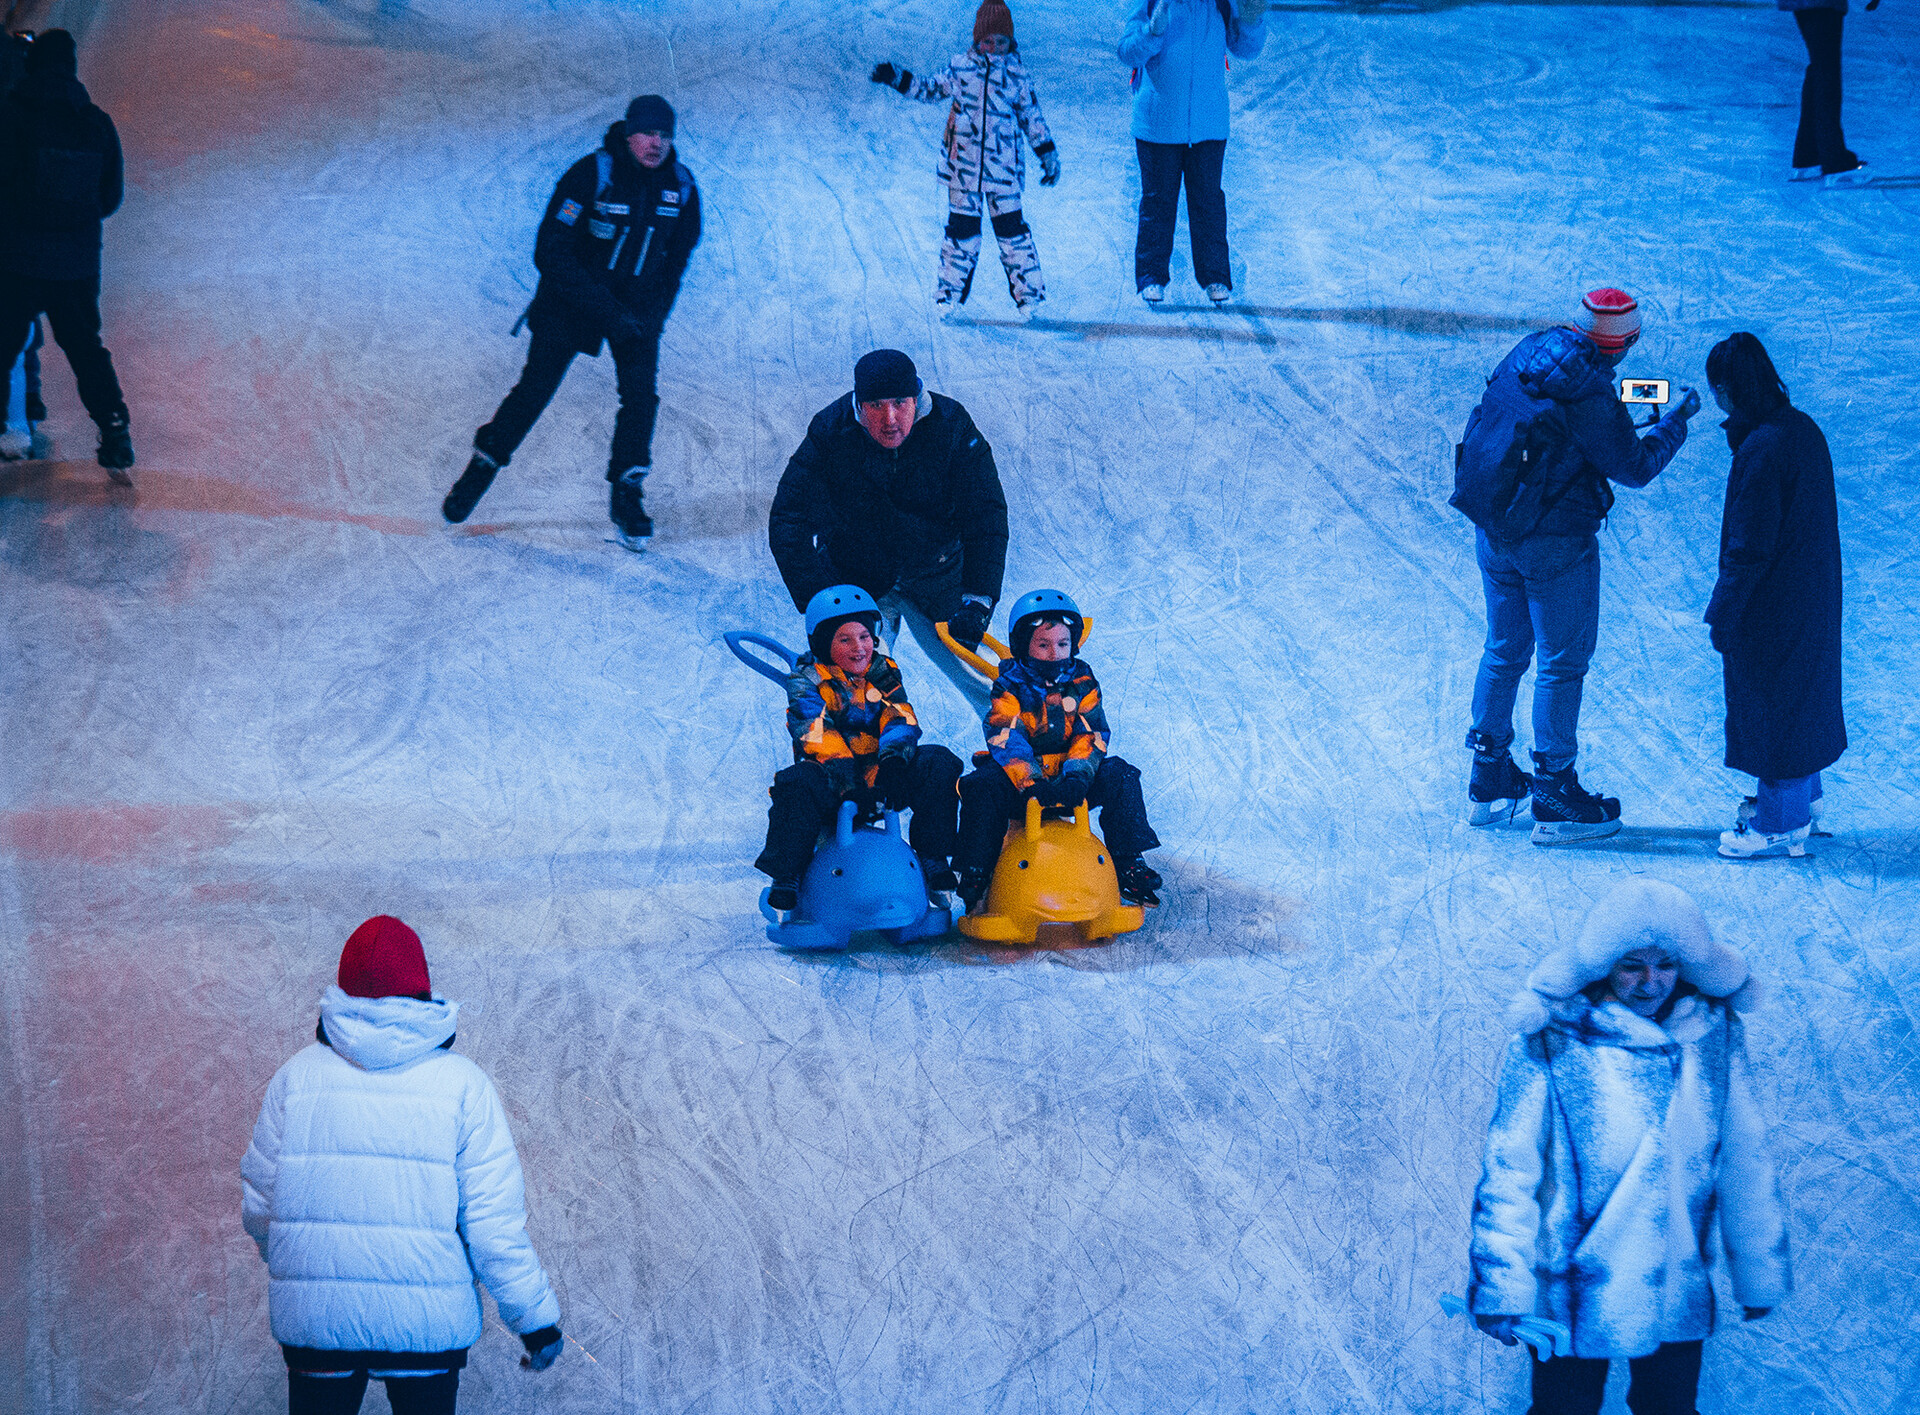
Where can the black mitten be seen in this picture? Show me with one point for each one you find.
(969, 623)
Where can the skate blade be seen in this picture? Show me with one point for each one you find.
(119, 476)
(1567, 832)
(637, 544)
(1501, 812)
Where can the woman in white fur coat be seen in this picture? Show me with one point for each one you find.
(1624, 1128)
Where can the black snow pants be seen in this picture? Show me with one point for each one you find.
(989, 800)
(806, 803)
(636, 365)
(72, 307)
(1163, 167)
(1819, 139)
(1664, 1383)
(308, 1394)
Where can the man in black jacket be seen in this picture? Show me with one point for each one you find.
(611, 251)
(894, 490)
(60, 177)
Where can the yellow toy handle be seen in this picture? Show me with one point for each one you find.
(1033, 818)
(991, 671)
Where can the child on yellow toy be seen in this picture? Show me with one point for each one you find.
(1047, 739)
(854, 738)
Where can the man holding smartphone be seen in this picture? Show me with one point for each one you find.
(1532, 473)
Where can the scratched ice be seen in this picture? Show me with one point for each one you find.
(1222, 1165)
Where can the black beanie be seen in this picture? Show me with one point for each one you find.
(885, 373)
(53, 52)
(650, 113)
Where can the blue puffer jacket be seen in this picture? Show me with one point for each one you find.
(1583, 433)
(1180, 77)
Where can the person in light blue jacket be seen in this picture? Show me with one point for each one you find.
(1178, 51)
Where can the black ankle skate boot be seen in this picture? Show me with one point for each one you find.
(784, 896)
(473, 484)
(1564, 810)
(1498, 788)
(116, 447)
(939, 877)
(973, 885)
(34, 410)
(628, 511)
(1139, 882)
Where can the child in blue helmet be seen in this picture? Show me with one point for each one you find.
(855, 737)
(1047, 739)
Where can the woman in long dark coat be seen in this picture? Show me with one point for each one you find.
(1775, 612)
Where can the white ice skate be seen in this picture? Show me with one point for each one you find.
(15, 443)
(1852, 177)
(1743, 814)
(1744, 844)
(1219, 294)
(1025, 310)
(1153, 294)
(1806, 174)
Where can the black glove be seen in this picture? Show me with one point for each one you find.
(543, 1348)
(885, 73)
(969, 623)
(1049, 164)
(1064, 792)
(866, 800)
(896, 783)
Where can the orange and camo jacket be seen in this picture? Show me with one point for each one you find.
(848, 725)
(1047, 727)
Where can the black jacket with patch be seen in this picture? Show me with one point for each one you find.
(60, 177)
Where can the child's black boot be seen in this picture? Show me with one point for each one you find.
(973, 885)
(939, 875)
(1139, 882)
(784, 896)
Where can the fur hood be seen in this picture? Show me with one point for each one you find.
(1636, 913)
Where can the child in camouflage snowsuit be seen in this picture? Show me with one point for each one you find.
(982, 160)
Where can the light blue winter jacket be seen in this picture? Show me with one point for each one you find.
(382, 1182)
(1180, 77)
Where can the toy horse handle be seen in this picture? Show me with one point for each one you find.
(737, 637)
(843, 827)
(990, 671)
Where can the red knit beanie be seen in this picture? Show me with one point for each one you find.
(1611, 318)
(383, 959)
(993, 18)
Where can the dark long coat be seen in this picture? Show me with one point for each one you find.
(1775, 612)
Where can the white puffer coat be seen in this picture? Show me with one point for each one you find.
(1617, 1143)
(382, 1182)
(993, 104)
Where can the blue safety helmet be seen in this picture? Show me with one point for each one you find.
(831, 608)
(1031, 607)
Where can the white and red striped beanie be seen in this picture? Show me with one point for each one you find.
(1611, 318)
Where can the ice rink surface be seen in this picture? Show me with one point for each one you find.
(1222, 1165)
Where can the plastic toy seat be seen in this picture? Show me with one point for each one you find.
(861, 880)
(1054, 886)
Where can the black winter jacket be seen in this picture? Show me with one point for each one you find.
(1775, 611)
(1583, 434)
(60, 177)
(928, 516)
(611, 262)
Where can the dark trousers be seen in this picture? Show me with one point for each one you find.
(1163, 167)
(72, 307)
(341, 1395)
(1664, 1383)
(1819, 139)
(805, 802)
(636, 366)
(989, 800)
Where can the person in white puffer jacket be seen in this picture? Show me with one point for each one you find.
(1625, 1128)
(982, 160)
(381, 1186)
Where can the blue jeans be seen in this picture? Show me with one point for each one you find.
(1783, 805)
(1542, 592)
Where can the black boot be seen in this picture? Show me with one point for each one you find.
(473, 484)
(116, 447)
(1498, 788)
(627, 510)
(973, 885)
(940, 879)
(1564, 810)
(1139, 882)
(784, 896)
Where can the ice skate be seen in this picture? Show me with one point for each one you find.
(1564, 811)
(1139, 882)
(1498, 788)
(939, 876)
(1852, 177)
(15, 443)
(973, 886)
(625, 509)
(116, 449)
(473, 484)
(945, 310)
(1153, 294)
(1743, 815)
(1745, 844)
(1805, 174)
(784, 895)
(1219, 293)
(1025, 310)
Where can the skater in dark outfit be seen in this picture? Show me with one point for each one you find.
(13, 68)
(1775, 613)
(1532, 474)
(1047, 740)
(894, 490)
(60, 178)
(1819, 147)
(855, 738)
(611, 252)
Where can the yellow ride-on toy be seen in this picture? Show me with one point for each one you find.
(1055, 884)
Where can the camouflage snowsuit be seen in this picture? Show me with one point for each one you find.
(983, 163)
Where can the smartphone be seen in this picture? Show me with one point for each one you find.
(1643, 390)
